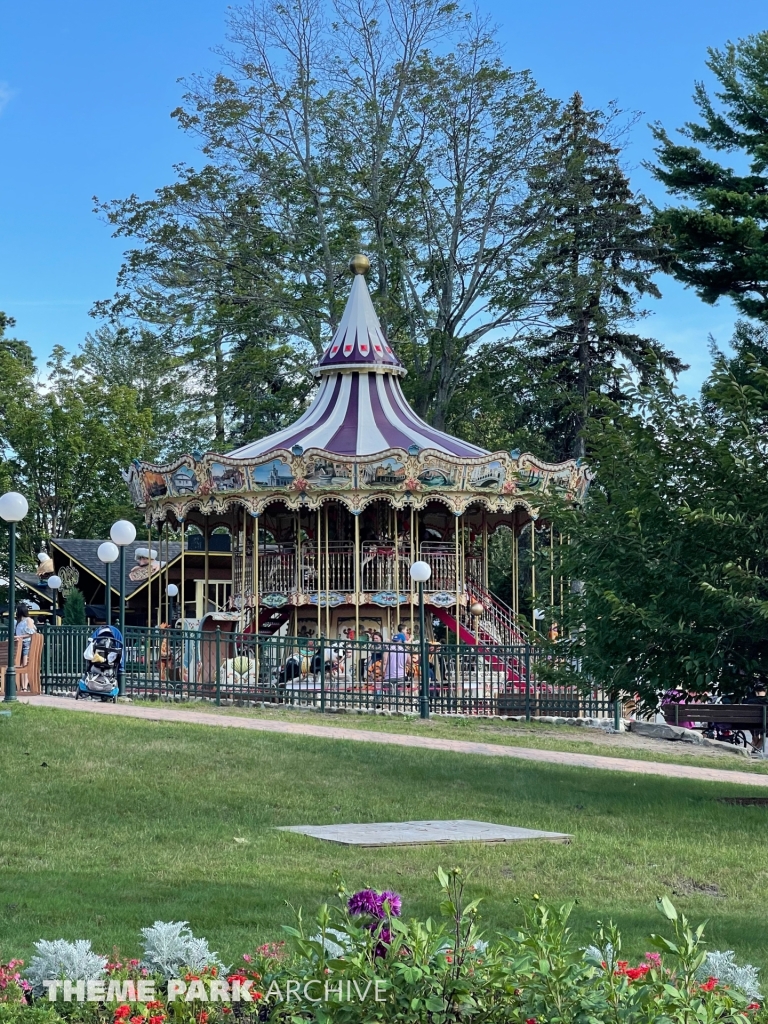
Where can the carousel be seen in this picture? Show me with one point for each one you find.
(311, 531)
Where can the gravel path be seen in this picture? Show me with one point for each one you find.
(613, 764)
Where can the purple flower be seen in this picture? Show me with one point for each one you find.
(394, 901)
(365, 902)
(382, 946)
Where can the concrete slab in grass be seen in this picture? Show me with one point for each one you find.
(420, 833)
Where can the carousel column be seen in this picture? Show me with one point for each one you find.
(457, 570)
(183, 580)
(327, 579)
(149, 577)
(485, 550)
(256, 587)
(206, 560)
(397, 567)
(515, 573)
(358, 583)
(318, 569)
(533, 575)
(410, 578)
(551, 566)
(244, 543)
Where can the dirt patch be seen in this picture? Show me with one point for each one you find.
(745, 801)
(689, 887)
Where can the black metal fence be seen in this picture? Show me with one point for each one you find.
(223, 667)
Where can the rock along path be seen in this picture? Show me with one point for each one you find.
(331, 732)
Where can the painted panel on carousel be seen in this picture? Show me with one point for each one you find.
(441, 599)
(388, 599)
(272, 475)
(274, 600)
(324, 472)
(330, 600)
(182, 481)
(155, 484)
(226, 478)
(439, 473)
(389, 472)
(488, 476)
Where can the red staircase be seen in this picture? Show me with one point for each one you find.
(495, 627)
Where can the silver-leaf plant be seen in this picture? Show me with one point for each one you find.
(75, 961)
(721, 965)
(170, 945)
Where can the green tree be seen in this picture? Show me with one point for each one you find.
(325, 139)
(718, 235)
(73, 613)
(671, 546)
(65, 442)
(199, 286)
(597, 254)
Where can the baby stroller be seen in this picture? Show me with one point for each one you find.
(103, 657)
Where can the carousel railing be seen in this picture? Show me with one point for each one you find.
(364, 675)
(333, 569)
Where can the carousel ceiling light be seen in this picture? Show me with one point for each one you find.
(123, 533)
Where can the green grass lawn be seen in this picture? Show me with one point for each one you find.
(133, 821)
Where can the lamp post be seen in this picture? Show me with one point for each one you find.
(13, 508)
(54, 583)
(420, 573)
(122, 533)
(108, 553)
(173, 592)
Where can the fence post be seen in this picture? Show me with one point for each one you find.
(218, 664)
(616, 712)
(322, 673)
(527, 683)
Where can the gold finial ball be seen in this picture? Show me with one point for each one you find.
(359, 264)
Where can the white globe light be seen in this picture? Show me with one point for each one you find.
(420, 572)
(54, 582)
(123, 533)
(42, 555)
(108, 552)
(173, 590)
(13, 507)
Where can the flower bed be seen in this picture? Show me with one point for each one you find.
(361, 961)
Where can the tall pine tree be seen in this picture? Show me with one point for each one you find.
(597, 253)
(718, 242)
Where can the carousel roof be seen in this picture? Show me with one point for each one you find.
(359, 408)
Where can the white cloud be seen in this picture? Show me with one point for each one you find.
(6, 94)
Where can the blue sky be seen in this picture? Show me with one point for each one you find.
(86, 90)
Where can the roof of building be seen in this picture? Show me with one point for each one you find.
(84, 553)
(359, 408)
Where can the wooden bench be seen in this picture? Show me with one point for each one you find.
(31, 672)
(750, 716)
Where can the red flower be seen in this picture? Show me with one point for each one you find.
(155, 1005)
(633, 973)
(531, 1020)
(122, 1012)
(237, 977)
(709, 984)
(138, 1019)
(753, 1006)
(256, 995)
(202, 1017)
(226, 1009)
(157, 1019)
(191, 977)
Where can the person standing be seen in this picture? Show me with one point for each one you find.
(25, 630)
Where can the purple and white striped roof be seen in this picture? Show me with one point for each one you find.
(359, 408)
(359, 340)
